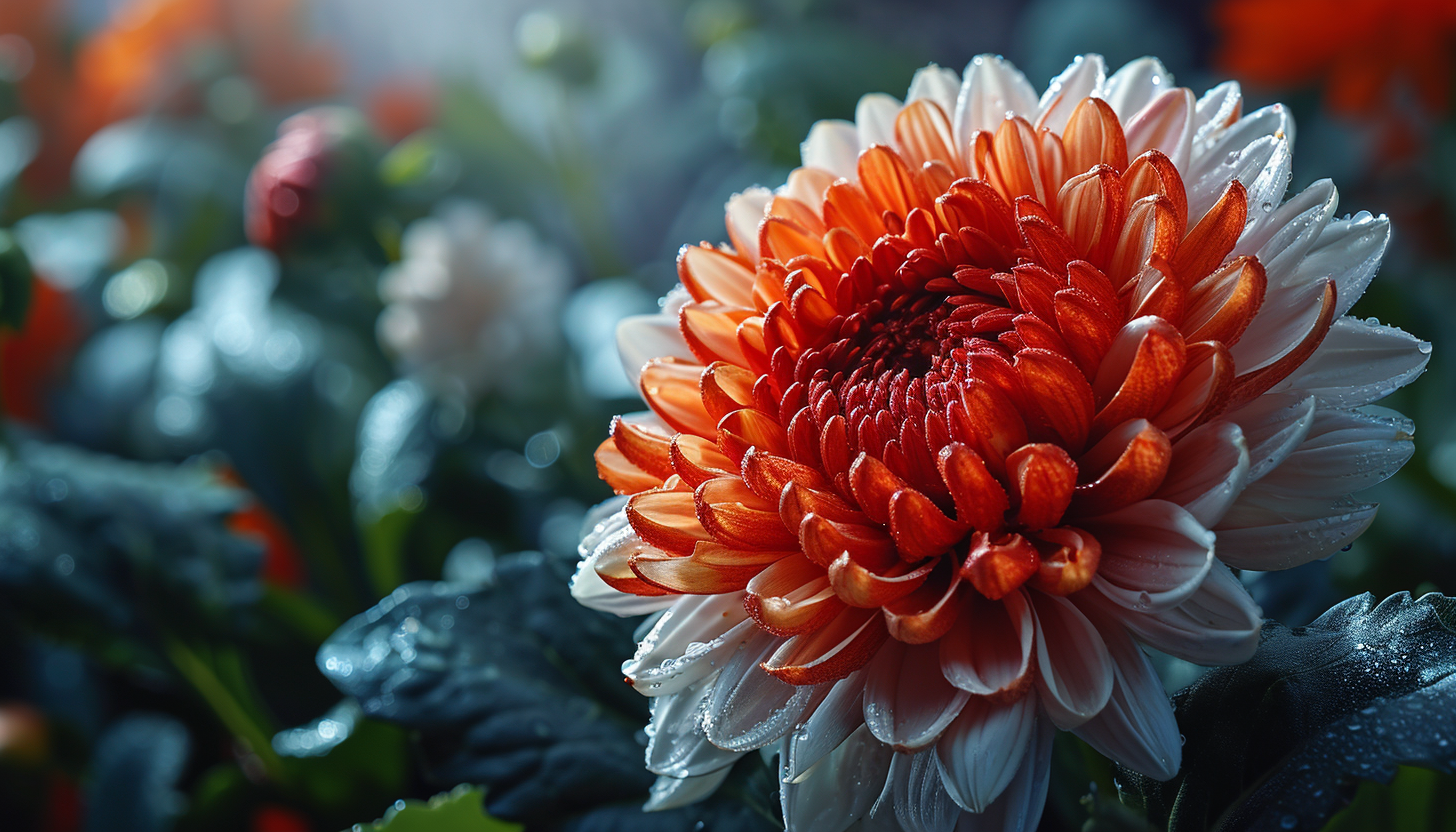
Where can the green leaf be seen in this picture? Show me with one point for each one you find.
(459, 810)
(1282, 741)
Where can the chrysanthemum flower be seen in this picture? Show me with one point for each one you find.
(471, 299)
(993, 391)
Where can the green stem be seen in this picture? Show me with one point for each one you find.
(229, 710)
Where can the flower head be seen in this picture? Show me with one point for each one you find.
(994, 389)
(471, 299)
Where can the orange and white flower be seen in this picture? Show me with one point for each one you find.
(994, 390)
(471, 299)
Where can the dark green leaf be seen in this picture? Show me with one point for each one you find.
(515, 686)
(1281, 741)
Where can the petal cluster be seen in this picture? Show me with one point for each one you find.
(471, 298)
(993, 389)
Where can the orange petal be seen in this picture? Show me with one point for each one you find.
(980, 501)
(927, 613)
(1057, 388)
(1092, 208)
(824, 540)
(711, 569)
(711, 331)
(1135, 474)
(614, 565)
(619, 473)
(667, 520)
(725, 388)
(1211, 240)
(1207, 382)
(697, 460)
(1069, 559)
(860, 587)
(847, 206)
(750, 428)
(767, 474)
(670, 387)
(873, 484)
(920, 528)
(1044, 477)
(923, 134)
(998, 564)
(644, 442)
(887, 181)
(791, 596)
(1094, 136)
(710, 274)
(834, 651)
(1154, 174)
(737, 517)
(1139, 372)
(783, 239)
(1151, 230)
(1221, 305)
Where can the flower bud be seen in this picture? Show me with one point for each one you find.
(317, 180)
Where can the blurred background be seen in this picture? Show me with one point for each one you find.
(310, 303)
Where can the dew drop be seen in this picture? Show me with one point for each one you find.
(1288, 822)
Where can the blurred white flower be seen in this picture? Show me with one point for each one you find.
(471, 300)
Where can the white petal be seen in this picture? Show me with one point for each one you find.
(982, 749)
(1079, 80)
(1264, 531)
(745, 211)
(748, 708)
(695, 636)
(938, 84)
(1166, 125)
(1360, 362)
(840, 714)
(1344, 452)
(839, 789)
(1210, 467)
(993, 87)
(1134, 85)
(1213, 114)
(990, 648)
(907, 700)
(1281, 243)
(832, 145)
(676, 744)
(641, 338)
(607, 524)
(1281, 324)
(1273, 424)
(1154, 555)
(1218, 625)
(1019, 808)
(1348, 252)
(1258, 143)
(874, 117)
(676, 792)
(1074, 672)
(1137, 727)
(914, 795)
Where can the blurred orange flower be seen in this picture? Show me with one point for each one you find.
(139, 59)
(1357, 47)
(33, 360)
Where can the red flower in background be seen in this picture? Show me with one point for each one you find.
(1357, 47)
(33, 360)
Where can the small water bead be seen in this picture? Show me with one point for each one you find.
(1288, 822)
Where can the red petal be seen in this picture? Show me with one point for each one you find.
(997, 565)
(920, 528)
(1134, 475)
(1069, 559)
(1211, 240)
(980, 501)
(1044, 477)
(737, 517)
(860, 587)
(710, 274)
(837, 649)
